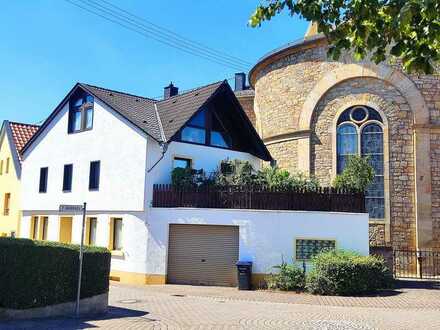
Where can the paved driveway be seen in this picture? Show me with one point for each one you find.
(186, 307)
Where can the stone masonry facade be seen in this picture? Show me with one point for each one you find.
(283, 83)
(401, 174)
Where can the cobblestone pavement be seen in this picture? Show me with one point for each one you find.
(187, 307)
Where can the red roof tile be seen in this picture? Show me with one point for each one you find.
(21, 133)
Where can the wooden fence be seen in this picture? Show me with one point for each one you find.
(258, 198)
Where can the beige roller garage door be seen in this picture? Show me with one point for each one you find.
(202, 255)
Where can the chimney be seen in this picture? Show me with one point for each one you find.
(170, 90)
(240, 81)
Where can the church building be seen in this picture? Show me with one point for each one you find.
(313, 113)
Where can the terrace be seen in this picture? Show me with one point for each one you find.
(258, 198)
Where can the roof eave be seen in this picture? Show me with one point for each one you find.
(6, 131)
(130, 121)
(62, 104)
(266, 156)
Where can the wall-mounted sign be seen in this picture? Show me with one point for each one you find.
(71, 208)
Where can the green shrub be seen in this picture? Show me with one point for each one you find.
(288, 278)
(182, 177)
(280, 179)
(347, 273)
(357, 175)
(188, 178)
(40, 273)
(235, 172)
(238, 172)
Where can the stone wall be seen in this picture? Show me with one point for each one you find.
(247, 103)
(377, 234)
(286, 154)
(283, 86)
(384, 97)
(435, 177)
(284, 81)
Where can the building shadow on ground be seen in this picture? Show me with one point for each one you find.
(84, 322)
(417, 284)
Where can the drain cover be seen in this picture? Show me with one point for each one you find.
(178, 295)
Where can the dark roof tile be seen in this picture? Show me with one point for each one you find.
(137, 109)
(175, 111)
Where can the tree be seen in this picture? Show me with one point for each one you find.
(357, 175)
(406, 29)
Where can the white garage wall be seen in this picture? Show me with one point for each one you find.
(265, 236)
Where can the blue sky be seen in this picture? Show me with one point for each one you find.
(48, 45)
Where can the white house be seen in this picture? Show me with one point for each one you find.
(109, 148)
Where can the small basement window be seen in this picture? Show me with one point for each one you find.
(305, 249)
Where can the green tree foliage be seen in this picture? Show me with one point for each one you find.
(357, 175)
(406, 29)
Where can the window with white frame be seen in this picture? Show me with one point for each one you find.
(360, 132)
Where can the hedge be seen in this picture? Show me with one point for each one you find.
(347, 273)
(42, 273)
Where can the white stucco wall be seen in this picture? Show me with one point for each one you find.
(126, 154)
(119, 146)
(265, 236)
(203, 157)
(134, 236)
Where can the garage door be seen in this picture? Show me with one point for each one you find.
(202, 255)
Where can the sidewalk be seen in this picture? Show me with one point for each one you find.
(407, 295)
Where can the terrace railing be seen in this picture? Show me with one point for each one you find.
(259, 198)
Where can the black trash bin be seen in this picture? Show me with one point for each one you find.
(244, 270)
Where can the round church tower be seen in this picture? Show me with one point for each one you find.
(313, 113)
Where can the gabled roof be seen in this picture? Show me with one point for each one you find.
(18, 135)
(176, 111)
(137, 109)
(160, 119)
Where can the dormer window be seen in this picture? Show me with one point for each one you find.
(80, 113)
(206, 128)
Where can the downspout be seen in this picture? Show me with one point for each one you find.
(162, 144)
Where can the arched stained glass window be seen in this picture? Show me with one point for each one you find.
(360, 132)
(347, 144)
